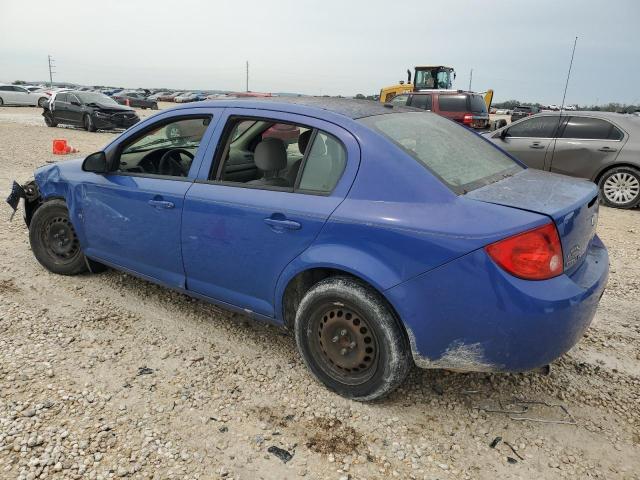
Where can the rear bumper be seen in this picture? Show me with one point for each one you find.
(471, 315)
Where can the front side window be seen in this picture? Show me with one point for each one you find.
(536, 127)
(457, 156)
(168, 149)
(591, 129)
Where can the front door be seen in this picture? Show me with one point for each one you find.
(74, 109)
(276, 180)
(585, 146)
(132, 216)
(529, 140)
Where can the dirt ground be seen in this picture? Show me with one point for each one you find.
(105, 376)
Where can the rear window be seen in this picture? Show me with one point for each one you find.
(522, 109)
(458, 157)
(453, 103)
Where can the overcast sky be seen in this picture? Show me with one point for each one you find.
(521, 49)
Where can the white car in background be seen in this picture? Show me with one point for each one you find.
(18, 95)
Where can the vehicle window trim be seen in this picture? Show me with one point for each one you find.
(161, 123)
(312, 139)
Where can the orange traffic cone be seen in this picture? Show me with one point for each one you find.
(61, 147)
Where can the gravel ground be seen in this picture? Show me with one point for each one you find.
(105, 376)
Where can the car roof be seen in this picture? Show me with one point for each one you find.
(312, 106)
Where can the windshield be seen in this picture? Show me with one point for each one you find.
(91, 97)
(458, 157)
(522, 109)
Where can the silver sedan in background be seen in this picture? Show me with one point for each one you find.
(600, 146)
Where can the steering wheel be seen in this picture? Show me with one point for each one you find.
(171, 162)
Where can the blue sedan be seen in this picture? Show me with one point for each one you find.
(383, 237)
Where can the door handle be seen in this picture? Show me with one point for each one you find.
(161, 204)
(536, 145)
(607, 149)
(277, 223)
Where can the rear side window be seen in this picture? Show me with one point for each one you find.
(538, 127)
(324, 165)
(458, 157)
(591, 128)
(421, 101)
(453, 103)
(478, 105)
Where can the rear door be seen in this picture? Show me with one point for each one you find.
(238, 236)
(529, 140)
(74, 109)
(586, 145)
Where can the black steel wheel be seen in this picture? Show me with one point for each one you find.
(350, 339)
(54, 241)
(345, 345)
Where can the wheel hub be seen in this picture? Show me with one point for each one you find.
(60, 238)
(621, 187)
(346, 342)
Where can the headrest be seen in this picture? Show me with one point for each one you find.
(303, 141)
(270, 154)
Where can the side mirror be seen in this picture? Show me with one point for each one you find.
(504, 133)
(96, 163)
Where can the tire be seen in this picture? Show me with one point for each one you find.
(42, 101)
(155, 106)
(350, 340)
(620, 187)
(53, 240)
(1, 102)
(89, 126)
(49, 121)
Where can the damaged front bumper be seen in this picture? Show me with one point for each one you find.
(31, 195)
(470, 315)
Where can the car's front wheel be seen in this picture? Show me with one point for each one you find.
(42, 101)
(350, 339)
(54, 241)
(620, 187)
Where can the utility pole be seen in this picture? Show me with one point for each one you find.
(470, 79)
(51, 71)
(247, 75)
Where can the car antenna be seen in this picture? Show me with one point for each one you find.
(564, 96)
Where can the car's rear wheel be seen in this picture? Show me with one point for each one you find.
(350, 339)
(89, 126)
(54, 241)
(620, 187)
(42, 101)
(49, 121)
(1, 102)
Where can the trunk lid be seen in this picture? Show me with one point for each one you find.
(570, 202)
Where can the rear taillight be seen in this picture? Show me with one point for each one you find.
(532, 255)
(467, 119)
